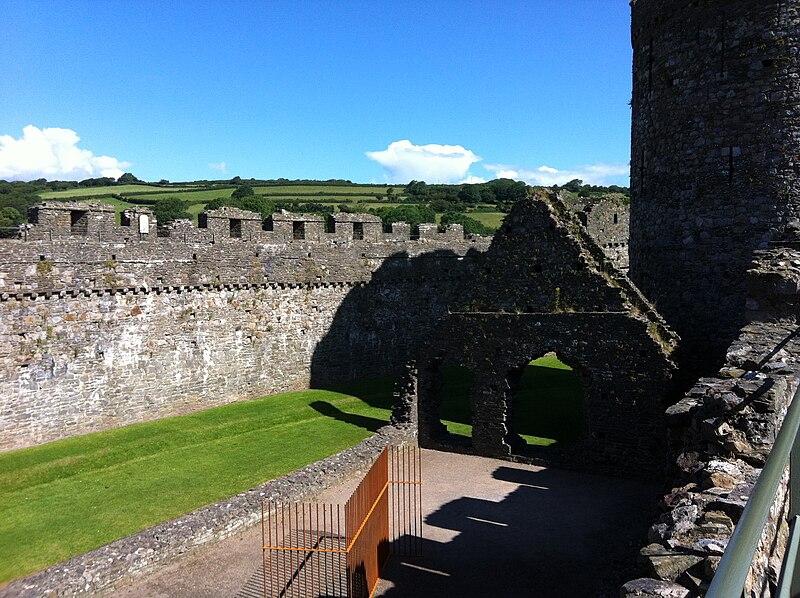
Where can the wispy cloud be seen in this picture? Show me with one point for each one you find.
(53, 153)
(431, 163)
(592, 174)
(221, 166)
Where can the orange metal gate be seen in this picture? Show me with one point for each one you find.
(316, 550)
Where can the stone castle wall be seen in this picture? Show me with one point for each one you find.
(98, 334)
(715, 135)
(607, 220)
(722, 432)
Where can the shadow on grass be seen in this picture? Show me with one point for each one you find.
(362, 421)
(548, 405)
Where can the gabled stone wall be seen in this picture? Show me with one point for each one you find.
(545, 286)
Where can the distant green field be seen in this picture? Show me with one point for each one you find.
(118, 205)
(204, 195)
(91, 191)
(323, 189)
(197, 200)
(490, 219)
(195, 209)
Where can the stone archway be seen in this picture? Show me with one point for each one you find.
(546, 286)
(546, 404)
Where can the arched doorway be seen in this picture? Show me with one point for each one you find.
(445, 415)
(455, 404)
(547, 405)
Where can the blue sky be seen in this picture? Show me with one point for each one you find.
(371, 91)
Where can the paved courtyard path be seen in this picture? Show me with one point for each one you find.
(492, 528)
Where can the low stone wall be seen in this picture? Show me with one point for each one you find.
(131, 557)
(722, 432)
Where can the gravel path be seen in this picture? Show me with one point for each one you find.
(492, 528)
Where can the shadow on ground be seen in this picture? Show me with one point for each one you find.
(555, 534)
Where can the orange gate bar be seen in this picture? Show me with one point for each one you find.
(313, 550)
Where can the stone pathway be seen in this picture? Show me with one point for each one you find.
(492, 528)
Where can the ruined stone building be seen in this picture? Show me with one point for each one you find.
(104, 325)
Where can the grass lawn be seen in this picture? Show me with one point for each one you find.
(66, 497)
(548, 408)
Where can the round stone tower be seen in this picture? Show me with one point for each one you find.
(715, 156)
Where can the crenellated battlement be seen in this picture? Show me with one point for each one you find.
(77, 248)
(96, 222)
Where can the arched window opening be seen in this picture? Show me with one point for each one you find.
(546, 405)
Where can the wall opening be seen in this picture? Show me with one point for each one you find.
(298, 231)
(454, 405)
(236, 228)
(546, 403)
(79, 222)
(358, 231)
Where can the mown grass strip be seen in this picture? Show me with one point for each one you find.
(67, 497)
(64, 498)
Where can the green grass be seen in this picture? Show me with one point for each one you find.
(192, 196)
(91, 191)
(548, 409)
(66, 497)
(325, 189)
(549, 403)
(490, 219)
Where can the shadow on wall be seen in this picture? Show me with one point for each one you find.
(380, 324)
(546, 533)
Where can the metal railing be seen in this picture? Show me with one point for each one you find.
(315, 550)
(731, 576)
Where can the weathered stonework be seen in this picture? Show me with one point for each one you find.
(715, 139)
(607, 220)
(545, 286)
(721, 432)
(99, 334)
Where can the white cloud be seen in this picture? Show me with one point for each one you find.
(221, 166)
(431, 163)
(53, 153)
(592, 174)
(472, 179)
